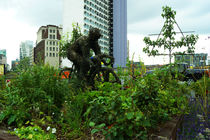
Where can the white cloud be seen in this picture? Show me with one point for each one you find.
(13, 32)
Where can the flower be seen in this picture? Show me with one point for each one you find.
(54, 130)
(48, 128)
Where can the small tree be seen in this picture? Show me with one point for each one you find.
(24, 64)
(67, 40)
(168, 41)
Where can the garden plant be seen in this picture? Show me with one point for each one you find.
(39, 104)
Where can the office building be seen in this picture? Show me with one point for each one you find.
(110, 16)
(47, 48)
(26, 49)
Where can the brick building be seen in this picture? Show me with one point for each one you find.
(47, 48)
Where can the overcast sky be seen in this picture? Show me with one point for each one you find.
(21, 19)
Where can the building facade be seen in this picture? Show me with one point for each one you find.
(47, 46)
(196, 60)
(26, 49)
(208, 61)
(110, 16)
(3, 56)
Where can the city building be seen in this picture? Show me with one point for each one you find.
(26, 49)
(3, 56)
(110, 16)
(47, 48)
(195, 60)
(208, 61)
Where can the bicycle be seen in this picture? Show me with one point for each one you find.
(96, 72)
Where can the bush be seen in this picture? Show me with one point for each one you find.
(37, 89)
(131, 113)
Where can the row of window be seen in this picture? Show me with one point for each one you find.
(103, 1)
(86, 26)
(52, 36)
(52, 31)
(52, 54)
(97, 4)
(52, 43)
(96, 18)
(98, 25)
(52, 48)
(104, 15)
(102, 32)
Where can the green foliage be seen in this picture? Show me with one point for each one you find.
(24, 64)
(202, 89)
(2, 82)
(168, 42)
(113, 111)
(33, 133)
(37, 89)
(67, 40)
(131, 113)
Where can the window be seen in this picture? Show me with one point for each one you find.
(50, 54)
(50, 48)
(47, 54)
(53, 54)
(53, 31)
(53, 43)
(56, 54)
(50, 36)
(47, 48)
(53, 36)
(53, 48)
(50, 31)
(47, 42)
(50, 43)
(56, 49)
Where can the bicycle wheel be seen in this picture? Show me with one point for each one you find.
(107, 75)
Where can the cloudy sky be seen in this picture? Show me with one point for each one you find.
(20, 20)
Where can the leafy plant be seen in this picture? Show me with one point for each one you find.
(37, 89)
(67, 40)
(33, 133)
(168, 42)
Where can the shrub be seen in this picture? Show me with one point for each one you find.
(131, 113)
(37, 89)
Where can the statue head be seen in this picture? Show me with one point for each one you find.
(94, 34)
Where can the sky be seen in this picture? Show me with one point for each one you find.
(21, 19)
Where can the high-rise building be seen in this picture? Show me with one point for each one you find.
(3, 56)
(110, 16)
(26, 49)
(47, 48)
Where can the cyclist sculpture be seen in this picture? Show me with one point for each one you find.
(84, 67)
